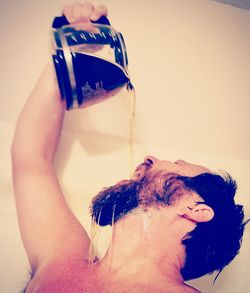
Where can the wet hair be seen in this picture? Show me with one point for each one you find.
(213, 245)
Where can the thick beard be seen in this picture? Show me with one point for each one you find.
(116, 201)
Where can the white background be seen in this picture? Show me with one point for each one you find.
(190, 65)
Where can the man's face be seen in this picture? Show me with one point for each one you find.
(152, 183)
(152, 165)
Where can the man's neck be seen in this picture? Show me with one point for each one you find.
(146, 246)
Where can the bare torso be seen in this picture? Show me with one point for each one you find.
(76, 276)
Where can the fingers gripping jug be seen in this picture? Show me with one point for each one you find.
(90, 59)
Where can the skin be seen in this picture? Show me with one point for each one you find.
(179, 167)
(56, 243)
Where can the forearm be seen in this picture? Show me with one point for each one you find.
(39, 126)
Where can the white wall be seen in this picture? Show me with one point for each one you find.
(190, 65)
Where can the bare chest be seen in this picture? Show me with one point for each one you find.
(81, 278)
(84, 281)
(91, 284)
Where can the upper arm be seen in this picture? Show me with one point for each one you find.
(48, 227)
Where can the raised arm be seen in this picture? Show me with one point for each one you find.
(48, 228)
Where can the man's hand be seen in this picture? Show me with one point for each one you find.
(84, 12)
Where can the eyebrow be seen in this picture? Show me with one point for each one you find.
(199, 202)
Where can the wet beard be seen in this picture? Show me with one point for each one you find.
(116, 201)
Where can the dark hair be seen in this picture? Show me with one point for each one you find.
(213, 245)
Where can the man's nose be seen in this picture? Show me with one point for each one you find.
(150, 160)
(180, 162)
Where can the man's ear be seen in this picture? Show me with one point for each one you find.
(198, 213)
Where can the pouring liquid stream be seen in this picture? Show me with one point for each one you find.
(131, 126)
(95, 228)
(94, 239)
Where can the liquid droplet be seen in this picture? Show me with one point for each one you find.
(94, 239)
(111, 241)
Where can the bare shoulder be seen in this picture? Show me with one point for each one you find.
(66, 274)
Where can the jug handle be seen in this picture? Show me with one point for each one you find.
(59, 21)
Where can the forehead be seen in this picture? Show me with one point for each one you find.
(181, 167)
